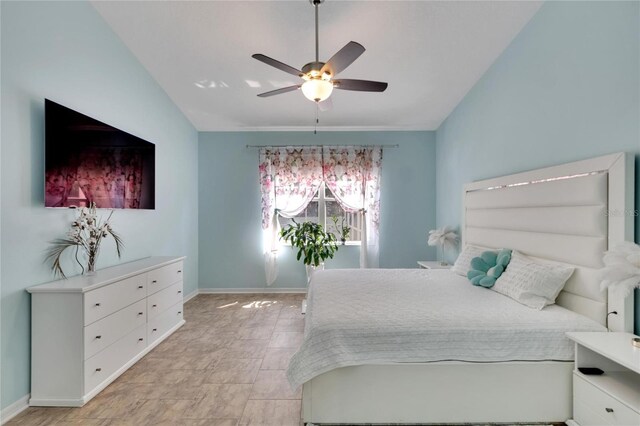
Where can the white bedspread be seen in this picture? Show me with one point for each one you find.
(381, 316)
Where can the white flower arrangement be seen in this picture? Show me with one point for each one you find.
(443, 237)
(86, 233)
(622, 268)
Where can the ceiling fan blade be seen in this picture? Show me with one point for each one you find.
(360, 85)
(279, 91)
(345, 57)
(277, 64)
(326, 105)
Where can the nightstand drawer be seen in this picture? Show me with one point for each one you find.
(592, 406)
(585, 416)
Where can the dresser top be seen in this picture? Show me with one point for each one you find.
(83, 283)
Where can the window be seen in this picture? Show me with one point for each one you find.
(324, 209)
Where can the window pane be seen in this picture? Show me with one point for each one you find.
(310, 214)
(337, 218)
(333, 209)
(328, 193)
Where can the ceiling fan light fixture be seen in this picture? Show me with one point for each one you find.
(317, 90)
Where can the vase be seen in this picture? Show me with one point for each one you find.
(91, 264)
(311, 269)
(443, 262)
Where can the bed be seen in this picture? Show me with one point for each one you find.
(453, 353)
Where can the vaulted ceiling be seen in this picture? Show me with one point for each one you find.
(431, 53)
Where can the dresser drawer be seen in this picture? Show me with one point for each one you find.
(161, 278)
(102, 365)
(163, 322)
(592, 406)
(104, 332)
(162, 300)
(111, 298)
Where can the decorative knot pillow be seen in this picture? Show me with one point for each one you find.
(487, 268)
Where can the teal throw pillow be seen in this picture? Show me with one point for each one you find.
(486, 269)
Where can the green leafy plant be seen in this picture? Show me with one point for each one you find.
(314, 244)
(344, 230)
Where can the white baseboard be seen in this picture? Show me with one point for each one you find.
(190, 296)
(14, 409)
(261, 290)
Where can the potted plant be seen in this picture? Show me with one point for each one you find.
(343, 229)
(314, 244)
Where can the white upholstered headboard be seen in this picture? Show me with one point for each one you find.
(569, 214)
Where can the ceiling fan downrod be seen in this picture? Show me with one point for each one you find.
(315, 4)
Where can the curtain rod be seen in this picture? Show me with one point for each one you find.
(342, 145)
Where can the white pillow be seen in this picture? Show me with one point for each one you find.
(533, 284)
(463, 262)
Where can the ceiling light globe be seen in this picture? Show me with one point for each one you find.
(317, 90)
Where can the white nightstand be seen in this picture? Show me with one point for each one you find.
(612, 398)
(432, 264)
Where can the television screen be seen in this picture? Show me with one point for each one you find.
(88, 161)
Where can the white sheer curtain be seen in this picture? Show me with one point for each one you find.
(289, 178)
(352, 173)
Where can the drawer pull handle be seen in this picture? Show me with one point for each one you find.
(179, 312)
(154, 306)
(154, 281)
(140, 286)
(97, 304)
(140, 313)
(609, 410)
(140, 339)
(155, 329)
(98, 369)
(98, 337)
(179, 291)
(179, 271)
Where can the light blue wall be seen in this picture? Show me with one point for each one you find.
(229, 205)
(66, 52)
(567, 88)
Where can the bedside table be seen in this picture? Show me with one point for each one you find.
(432, 264)
(612, 398)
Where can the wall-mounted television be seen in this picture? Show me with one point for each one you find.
(87, 161)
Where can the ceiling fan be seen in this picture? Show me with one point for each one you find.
(320, 76)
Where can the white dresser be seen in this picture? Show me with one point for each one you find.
(613, 397)
(87, 330)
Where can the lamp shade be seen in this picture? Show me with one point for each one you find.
(317, 90)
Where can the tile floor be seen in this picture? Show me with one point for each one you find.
(224, 367)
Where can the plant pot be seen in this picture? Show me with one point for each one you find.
(311, 269)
